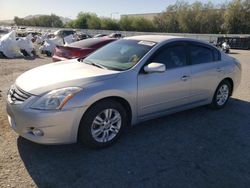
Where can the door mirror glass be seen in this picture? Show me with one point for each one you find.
(155, 67)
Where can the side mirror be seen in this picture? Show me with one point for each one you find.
(155, 67)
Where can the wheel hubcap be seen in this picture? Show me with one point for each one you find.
(106, 125)
(222, 95)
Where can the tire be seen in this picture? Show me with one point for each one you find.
(49, 54)
(24, 52)
(2, 55)
(97, 130)
(224, 90)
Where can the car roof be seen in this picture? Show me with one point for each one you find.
(153, 38)
(162, 38)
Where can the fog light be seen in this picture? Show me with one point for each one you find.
(37, 132)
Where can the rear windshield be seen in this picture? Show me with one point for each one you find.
(89, 43)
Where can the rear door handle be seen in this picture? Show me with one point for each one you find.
(185, 78)
(219, 69)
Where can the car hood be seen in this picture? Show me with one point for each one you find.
(62, 74)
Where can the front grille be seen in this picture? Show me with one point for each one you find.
(17, 95)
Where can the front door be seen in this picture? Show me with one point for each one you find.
(158, 92)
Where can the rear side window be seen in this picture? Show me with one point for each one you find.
(200, 54)
(172, 57)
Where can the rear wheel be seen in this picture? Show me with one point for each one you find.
(221, 95)
(49, 54)
(102, 124)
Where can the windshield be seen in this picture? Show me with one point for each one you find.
(120, 55)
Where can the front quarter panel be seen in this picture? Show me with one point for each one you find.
(123, 86)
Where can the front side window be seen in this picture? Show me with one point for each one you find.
(120, 55)
(200, 54)
(172, 57)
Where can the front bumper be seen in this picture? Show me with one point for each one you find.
(58, 127)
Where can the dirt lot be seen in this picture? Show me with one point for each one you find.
(194, 148)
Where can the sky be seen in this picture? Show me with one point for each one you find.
(70, 8)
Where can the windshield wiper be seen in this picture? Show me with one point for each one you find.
(94, 64)
(81, 59)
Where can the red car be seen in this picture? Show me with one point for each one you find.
(80, 49)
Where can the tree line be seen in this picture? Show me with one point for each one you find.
(182, 17)
(233, 17)
(40, 21)
(92, 21)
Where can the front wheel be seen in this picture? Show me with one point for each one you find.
(102, 124)
(49, 54)
(221, 95)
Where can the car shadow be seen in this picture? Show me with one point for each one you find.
(29, 58)
(233, 53)
(194, 148)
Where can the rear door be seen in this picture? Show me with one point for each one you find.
(206, 70)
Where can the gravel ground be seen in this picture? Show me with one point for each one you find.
(194, 148)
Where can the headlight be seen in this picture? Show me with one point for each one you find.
(55, 99)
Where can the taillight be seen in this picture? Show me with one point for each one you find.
(76, 54)
(71, 53)
(62, 52)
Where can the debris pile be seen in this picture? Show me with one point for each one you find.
(9, 46)
(18, 43)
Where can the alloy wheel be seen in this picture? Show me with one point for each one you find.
(106, 125)
(222, 95)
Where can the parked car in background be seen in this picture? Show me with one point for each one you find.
(4, 30)
(126, 82)
(115, 35)
(82, 36)
(99, 35)
(80, 49)
(64, 32)
(236, 42)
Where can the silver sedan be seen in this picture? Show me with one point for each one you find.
(129, 81)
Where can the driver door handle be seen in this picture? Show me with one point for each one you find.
(219, 69)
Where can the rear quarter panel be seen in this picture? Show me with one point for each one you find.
(232, 70)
